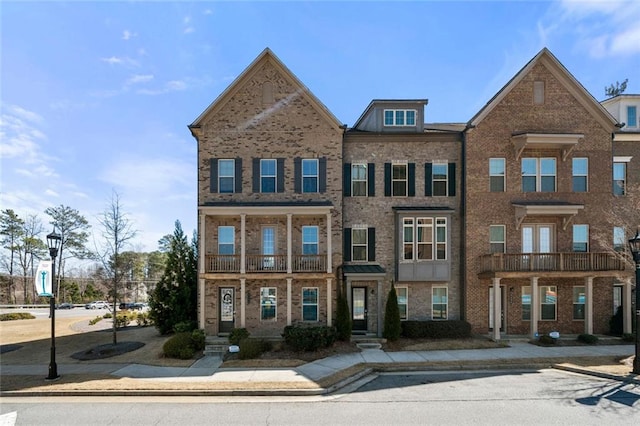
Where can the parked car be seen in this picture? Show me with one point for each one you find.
(64, 306)
(131, 306)
(98, 304)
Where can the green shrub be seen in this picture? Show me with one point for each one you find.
(343, 320)
(628, 337)
(179, 346)
(309, 338)
(107, 315)
(589, 339)
(253, 348)
(392, 323)
(184, 326)
(546, 340)
(123, 320)
(198, 339)
(143, 319)
(95, 320)
(13, 316)
(454, 329)
(237, 334)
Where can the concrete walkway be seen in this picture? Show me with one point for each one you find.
(207, 369)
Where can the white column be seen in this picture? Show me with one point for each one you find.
(289, 243)
(289, 280)
(329, 244)
(243, 244)
(588, 305)
(243, 303)
(329, 302)
(497, 309)
(202, 269)
(535, 302)
(626, 307)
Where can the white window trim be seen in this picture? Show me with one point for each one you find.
(539, 175)
(586, 176)
(434, 225)
(233, 242)
(504, 235)
(522, 294)
(555, 305)
(503, 175)
(316, 176)
(317, 304)
(446, 304)
(573, 234)
(317, 242)
(406, 289)
(275, 316)
(405, 180)
(404, 114)
(574, 302)
(274, 176)
(232, 176)
(445, 180)
(366, 182)
(366, 244)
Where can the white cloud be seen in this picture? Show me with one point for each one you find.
(124, 61)
(189, 30)
(170, 86)
(20, 139)
(139, 78)
(126, 35)
(147, 177)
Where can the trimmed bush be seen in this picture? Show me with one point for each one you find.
(143, 319)
(179, 346)
(546, 340)
(184, 326)
(392, 324)
(123, 320)
(238, 334)
(253, 348)
(95, 320)
(13, 316)
(454, 329)
(628, 337)
(198, 339)
(309, 338)
(107, 315)
(589, 339)
(343, 320)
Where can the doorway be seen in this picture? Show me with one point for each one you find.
(227, 310)
(359, 309)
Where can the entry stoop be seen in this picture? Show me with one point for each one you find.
(216, 346)
(368, 342)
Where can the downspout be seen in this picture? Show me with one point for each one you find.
(463, 228)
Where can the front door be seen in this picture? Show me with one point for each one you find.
(359, 309)
(502, 308)
(227, 310)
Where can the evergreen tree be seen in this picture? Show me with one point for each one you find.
(392, 325)
(343, 319)
(616, 90)
(174, 299)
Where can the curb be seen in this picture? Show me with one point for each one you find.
(635, 379)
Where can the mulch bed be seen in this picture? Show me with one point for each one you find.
(107, 351)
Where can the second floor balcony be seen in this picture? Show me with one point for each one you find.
(265, 263)
(552, 262)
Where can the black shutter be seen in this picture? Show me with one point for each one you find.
(346, 180)
(371, 180)
(371, 244)
(322, 175)
(387, 179)
(213, 175)
(280, 179)
(238, 164)
(297, 175)
(256, 175)
(411, 175)
(346, 238)
(428, 177)
(452, 179)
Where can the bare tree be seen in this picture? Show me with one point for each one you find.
(11, 228)
(117, 232)
(616, 90)
(29, 248)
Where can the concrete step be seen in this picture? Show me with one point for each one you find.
(219, 349)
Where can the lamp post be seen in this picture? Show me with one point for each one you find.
(634, 246)
(53, 241)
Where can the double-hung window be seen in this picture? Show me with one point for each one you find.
(548, 302)
(359, 244)
(632, 116)
(497, 238)
(402, 294)
(496, 174)
(310, 175)
(440, 179)
(538, 175)
(399, 117)
(581, 238)
(309, 304)
(309, 240)
(580, 170)
(578, 302)
(619, 178)
(439, 303)
(619, 239)
(226, 176)
(399, 180)
(359, 179)
(226, 243)
(424, 238)
(268, 176)
(268, 304)
(526, 303)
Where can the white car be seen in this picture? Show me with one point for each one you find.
(98, 304)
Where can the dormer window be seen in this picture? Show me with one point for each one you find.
(632, 116)
(399, 117)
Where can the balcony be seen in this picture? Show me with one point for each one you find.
(265, 263)
(551, 262)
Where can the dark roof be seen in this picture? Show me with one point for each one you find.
(420, 208)
(300, 203)
(363, 269)
(544, 203)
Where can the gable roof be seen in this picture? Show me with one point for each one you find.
(553, 65)
(265, 56)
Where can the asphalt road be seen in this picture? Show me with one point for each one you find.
(482, 397)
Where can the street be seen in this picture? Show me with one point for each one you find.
(479, 397)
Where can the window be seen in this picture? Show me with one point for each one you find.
(439, 303)
(267, 175)
(526, 303)
(309, 304)
(580, 168)
(399, 180)
(496, 174)
(578, 302)
(619, 239)
(359, 180)
(440, 181)
(309, 240)
(403, 296)
(538, 92)
(268, 246)
(424, 238)
(632, 116)
(497, 239)
(619, 178)
(538, 175)
(399, 117)
(268, 304)
(581, 238)
(310, 175)
(225, 175)
(226, 243)
(226, 170)
(359, 244)
(548, 300)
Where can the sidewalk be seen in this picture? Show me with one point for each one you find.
(206, 377)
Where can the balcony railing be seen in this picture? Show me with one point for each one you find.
(567, 262)
(265, 263)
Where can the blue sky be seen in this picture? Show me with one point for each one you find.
(97, 96)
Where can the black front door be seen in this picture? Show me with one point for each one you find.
(359, 309)
(227, 310)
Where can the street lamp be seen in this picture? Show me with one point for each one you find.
(634, 246)
(53, 241)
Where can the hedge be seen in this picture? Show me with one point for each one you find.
(309, 338)
(454, 329)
